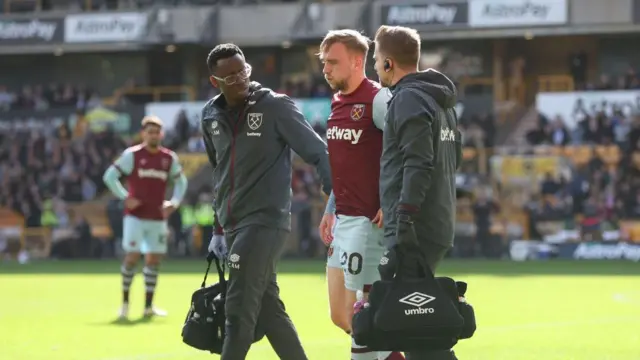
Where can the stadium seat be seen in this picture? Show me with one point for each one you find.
(579, 155)
(154, 93)
(36, 241)
(635, 158)
(191, 163)
(96, 216)
(610, 155)
(469, 153)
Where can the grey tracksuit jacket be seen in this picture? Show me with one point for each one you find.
(250, 150)
(421, 152)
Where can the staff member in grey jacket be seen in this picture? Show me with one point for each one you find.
(420, 153)
(249, 132)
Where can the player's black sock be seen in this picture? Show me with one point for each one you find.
(150, 280)
(127, 278)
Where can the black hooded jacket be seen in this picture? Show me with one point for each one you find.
(420, 156)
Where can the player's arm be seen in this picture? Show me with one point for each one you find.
(413, 127)
(208, 143)
(123, 166)
(298, 134)
(331, 204)
(181, 184)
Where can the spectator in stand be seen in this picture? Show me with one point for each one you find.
(484, 209)
(36, 97)
(558, 134)
(549, 185)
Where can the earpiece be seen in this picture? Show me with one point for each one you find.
(386, 65)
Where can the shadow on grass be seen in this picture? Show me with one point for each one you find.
(449, 267)
(127, 322)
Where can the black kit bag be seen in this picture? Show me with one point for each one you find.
(204, 327)
(406, 312)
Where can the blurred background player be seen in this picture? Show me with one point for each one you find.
(148, 168)
(354, 139)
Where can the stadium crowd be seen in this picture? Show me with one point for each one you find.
(604, 185)
(595, 190)
(41, 97)
(43, 166)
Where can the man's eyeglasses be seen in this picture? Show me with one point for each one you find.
(232, 79)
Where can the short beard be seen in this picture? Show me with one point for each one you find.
(383, 82)
(340, 85)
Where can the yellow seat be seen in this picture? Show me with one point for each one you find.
(579, 155)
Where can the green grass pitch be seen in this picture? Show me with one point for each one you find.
(534, 310)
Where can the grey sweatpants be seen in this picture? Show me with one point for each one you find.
(253, 296)
(433, 253)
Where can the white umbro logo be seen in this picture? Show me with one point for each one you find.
(384, 260)
(234, 258)
(417, 299)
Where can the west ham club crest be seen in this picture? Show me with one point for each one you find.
(255, 120)
(357, 111)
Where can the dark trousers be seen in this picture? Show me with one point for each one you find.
(253, 296)
(433, 253)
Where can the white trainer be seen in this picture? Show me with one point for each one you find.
(124, 312)
(151, 311)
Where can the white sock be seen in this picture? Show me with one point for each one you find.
(361, 352)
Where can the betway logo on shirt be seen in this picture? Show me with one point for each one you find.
(447, 134)
(153, 174)
(337, 133)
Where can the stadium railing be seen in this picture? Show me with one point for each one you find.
(154, 94)
(192, 162)
(9, 4)
(555, 83)
(42, 236)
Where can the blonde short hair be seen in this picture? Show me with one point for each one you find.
(152, 120)
(351, 39)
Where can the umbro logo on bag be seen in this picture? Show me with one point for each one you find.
(418, 300)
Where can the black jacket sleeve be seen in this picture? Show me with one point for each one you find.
(414, 130)
(298, 134)
(208, 144)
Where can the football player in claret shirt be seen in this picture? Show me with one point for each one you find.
(148, 168)
(354, 138)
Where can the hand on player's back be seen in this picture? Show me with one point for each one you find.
(326, 228)
(131, 203)
(378, 219)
